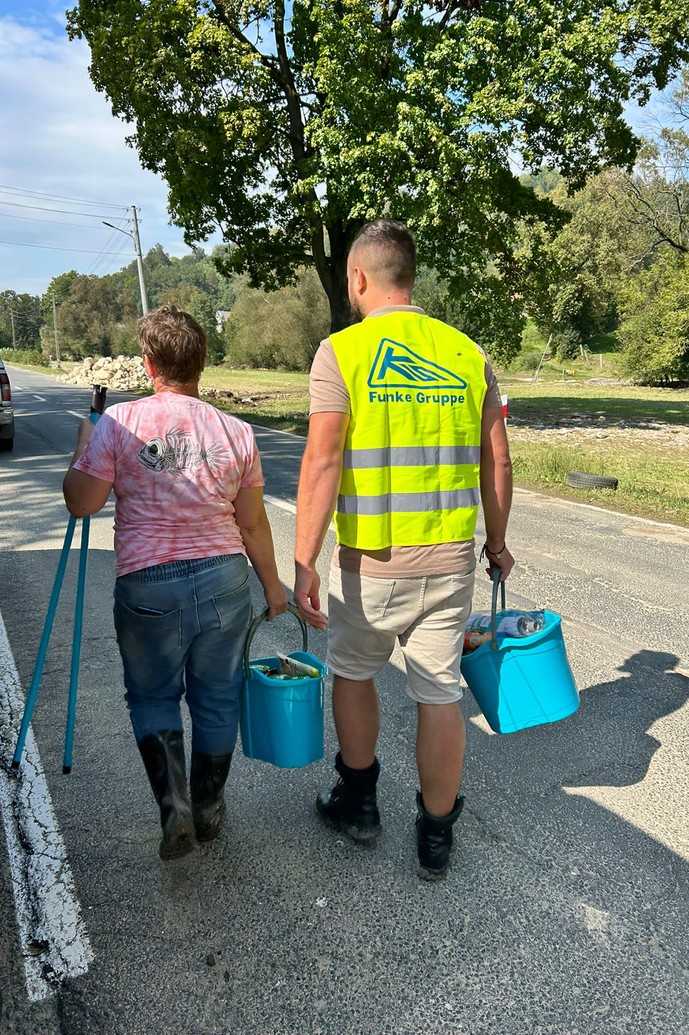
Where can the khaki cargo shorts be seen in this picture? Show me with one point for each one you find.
(427, 615)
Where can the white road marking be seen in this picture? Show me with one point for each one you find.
(18, 388)
(35, 413)
(79, 416)
(53, 937)
(282, 504)
(601, 510)
(40, 398)
(278, 431)
(40, 456)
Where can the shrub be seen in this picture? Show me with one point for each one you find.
(125, 339)
(566, 343)
(655, 327)
(527, 361)
(278, 329)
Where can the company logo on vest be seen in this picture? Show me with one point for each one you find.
(397, 366)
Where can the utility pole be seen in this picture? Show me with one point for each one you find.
(139, 261)
(139, 257)
(14, 339)
(57, 342)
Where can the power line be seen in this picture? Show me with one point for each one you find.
(62, 211)
(103, 254)
(61, 248)
(52, 222)
(58, 197)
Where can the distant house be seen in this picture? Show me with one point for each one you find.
(220, 317)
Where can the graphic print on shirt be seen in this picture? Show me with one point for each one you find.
(179, 452)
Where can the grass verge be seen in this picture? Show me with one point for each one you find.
(652, 483)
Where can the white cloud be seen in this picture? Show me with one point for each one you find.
(60, 137)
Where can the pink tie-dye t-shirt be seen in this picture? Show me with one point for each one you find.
(177, 465)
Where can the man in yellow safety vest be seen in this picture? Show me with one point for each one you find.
(406, 438)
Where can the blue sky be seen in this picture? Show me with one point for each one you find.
(59, 138)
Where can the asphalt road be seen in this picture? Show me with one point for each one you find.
(566, 911)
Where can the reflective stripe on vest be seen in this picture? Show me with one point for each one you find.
(409, 502)
(411, 456)
(411, 461)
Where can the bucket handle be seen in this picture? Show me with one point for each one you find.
(260, 619)
(497, 582)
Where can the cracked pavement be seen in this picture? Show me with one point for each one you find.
(566, 910)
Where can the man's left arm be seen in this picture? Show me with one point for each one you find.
(85, 493)
(319, 483)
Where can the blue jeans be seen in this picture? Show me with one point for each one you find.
(181, 629)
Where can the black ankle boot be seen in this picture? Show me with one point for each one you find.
(434, 839)
(351, 805)
(163, 757)
(207, 783)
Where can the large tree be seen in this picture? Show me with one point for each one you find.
(86, 316)
(20, 320)
(289, 125)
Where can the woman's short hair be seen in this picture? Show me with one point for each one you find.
(175, 343)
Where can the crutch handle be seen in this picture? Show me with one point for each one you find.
(98, 399)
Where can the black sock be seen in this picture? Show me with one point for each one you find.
(367, 777)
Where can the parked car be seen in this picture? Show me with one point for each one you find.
(6, 410)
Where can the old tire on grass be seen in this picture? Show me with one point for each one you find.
(583, 480)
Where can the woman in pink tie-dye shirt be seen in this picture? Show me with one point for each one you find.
(188, 511)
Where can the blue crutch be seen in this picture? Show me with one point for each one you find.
(97, 407)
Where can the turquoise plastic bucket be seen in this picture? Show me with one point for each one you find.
(281, 721)
(519, 683)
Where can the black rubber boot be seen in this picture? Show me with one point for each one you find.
(434, 839)
(207, 783)
(351, 806)
(163, 756)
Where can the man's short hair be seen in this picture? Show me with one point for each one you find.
(390, 252)
(175, 343)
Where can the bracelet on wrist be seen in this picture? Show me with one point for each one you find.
(495, 553)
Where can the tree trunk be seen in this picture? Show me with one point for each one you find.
(332, 269)
(340, 236)
(340, 310)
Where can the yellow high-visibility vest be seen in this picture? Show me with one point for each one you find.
(411, 463)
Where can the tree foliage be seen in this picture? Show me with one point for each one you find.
(97, 315)
(573, 286)
(618, 226)
(278, 329)
(287, 126)
(24, 311)
(655, 323)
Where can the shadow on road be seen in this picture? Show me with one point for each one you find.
(309, 934)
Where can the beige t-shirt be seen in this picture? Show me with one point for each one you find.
(328, 394)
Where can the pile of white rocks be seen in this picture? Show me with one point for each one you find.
(121, 373)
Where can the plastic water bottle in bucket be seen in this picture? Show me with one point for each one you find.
(521, 680)
(282, 703)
